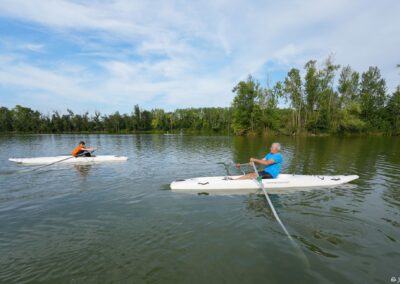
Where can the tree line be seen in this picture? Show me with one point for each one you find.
(25, 120)
(325, 99)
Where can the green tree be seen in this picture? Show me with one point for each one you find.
(349, 85)
(136, 117)
(113, 123)
(96, 122)
(159, 119)
(312, 90)
(25, 119)
(311, 84)
(6, 120)
(350, 120)
(294, 94)
(373, 97)
(394, 111)
(57, 123)
(328, 107)
(146, 120)
(268, 102)
(244, 106)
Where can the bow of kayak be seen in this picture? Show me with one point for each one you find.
(68, 160)
(230, 185)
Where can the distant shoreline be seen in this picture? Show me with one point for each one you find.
(210, 133)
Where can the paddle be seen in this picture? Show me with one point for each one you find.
(62, 160)
(238, 166)
(259, 181)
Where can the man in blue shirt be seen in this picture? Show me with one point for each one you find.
(272, 162)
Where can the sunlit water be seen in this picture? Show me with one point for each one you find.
(119, 222)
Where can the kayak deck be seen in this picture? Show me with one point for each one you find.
(230, 184)
(68, 160)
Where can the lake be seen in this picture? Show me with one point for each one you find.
(119, 222)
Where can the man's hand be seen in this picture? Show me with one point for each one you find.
(253, 160)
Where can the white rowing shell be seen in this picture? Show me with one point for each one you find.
(230, 185)
(72, 160)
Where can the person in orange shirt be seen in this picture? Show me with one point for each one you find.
(81, 150)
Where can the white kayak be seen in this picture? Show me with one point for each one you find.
(68, 160)
(282, 184)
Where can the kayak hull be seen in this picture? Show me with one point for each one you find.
(68, 160)
(230, 185)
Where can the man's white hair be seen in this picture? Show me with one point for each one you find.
(276, 145)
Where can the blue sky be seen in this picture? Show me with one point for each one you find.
(109, 55)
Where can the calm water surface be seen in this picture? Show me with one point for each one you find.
(121, 223)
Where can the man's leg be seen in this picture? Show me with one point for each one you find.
(83, 153)
(264, 175)
(248, 176)
(87, 154)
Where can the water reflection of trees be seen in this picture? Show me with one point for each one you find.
(83, 170)
(257, 204)
(390, 163)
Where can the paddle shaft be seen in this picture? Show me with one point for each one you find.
(259, 181)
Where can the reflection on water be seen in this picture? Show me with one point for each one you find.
(83, 170)
(118, 223)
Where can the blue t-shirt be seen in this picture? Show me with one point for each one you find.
(275, 168)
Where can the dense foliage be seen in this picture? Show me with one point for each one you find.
(23, 119)
(318, 102)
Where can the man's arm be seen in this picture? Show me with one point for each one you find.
(89, 149)
(262, 162)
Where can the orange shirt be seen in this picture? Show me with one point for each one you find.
(77, 150)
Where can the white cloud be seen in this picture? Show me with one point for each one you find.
(31, 77)
(32, 47)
